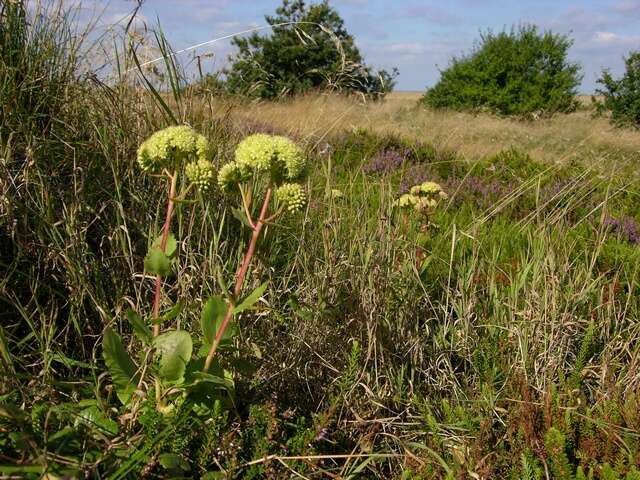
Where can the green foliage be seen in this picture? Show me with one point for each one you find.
(492, 342)
(309, 48)
(622, 96)
(121, 368)
(511, 73)
(554, 442)
(174, 353)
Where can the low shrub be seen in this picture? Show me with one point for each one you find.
(621, 96)
(519, 72)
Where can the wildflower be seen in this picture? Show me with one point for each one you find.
(422, 197)
(426, 188)
(335, 194)
(385, 161)
(201, 173)
(271, 153)
(290, 155)
(229, 176)
(291, 196)
(169, 147)
(407, 201)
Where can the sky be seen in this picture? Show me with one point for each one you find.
(417, 37)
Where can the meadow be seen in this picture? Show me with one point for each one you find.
(496, 336)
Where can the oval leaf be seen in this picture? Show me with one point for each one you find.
(171, 247)
(174, 352)
(212, 316)
(157, 262)
(121, 368)
(139, 327)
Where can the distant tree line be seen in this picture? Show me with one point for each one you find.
(523, 71)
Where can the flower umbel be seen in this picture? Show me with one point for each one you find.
(201, 174)
(422, 197)
(271, 153)
(291, 196)
(172, 146)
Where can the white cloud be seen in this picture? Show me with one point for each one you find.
(615, 40)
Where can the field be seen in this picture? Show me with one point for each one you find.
(495, 334)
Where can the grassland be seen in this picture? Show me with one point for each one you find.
(496, 337)
(473, 136)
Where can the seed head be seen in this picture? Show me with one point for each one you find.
(231, 175)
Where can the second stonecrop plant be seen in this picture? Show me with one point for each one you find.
(265, 175)
(265, 178)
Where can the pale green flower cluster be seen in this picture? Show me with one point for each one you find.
(422, 197)
(201, 173)
(292, 196)
(171, 147)
(231, 174)
(279, 156)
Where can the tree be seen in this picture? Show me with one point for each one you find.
(308, 48)
(622, 96)
(512, 73)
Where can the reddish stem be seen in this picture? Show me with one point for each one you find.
(163, 247)
(242, 272)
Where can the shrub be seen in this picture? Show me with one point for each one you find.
(622, 96)
(308, 49)
(520, 72)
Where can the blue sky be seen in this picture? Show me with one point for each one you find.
(415, 36)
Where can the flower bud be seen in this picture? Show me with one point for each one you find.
(292, 196)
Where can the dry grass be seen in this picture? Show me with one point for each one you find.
(560, 138)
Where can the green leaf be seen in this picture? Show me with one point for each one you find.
(171, 461)
(212, 316)
(139, 327)
(172, 313)
(121, 368)
(240, 215)
(224, 383)
(157, 262)
(250, 299)
(95, 419)
(171, 247)
(174, 352)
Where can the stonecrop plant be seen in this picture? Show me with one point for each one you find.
(422, 198)
(266, 173)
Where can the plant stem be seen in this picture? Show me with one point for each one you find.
(163, 247)
(158, 290)
(242, 272)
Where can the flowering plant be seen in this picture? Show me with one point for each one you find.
(265, 172)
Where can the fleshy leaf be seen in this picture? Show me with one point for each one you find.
(212, 316)
(121, 368)
(174, 352)
(139, 327)
(157, 262)
(171, 248)
(251, 299)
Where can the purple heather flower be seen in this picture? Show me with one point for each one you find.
(385, 161)
(626, 227)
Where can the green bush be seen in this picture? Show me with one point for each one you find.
(308, 49)
(519, 72)
(622, 96)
